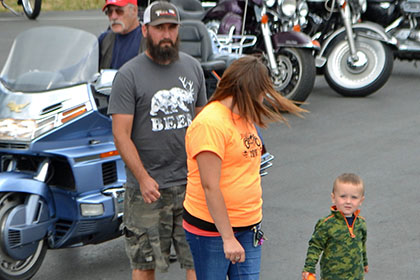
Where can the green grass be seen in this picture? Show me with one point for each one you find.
(60, 5)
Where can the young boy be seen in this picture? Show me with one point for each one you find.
(341, 236)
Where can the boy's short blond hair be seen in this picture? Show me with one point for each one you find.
(349, 178)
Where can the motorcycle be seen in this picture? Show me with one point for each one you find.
(61, 180)
(400, 20)
(61, 177)
(356, 57)
(31, 8)
(254, 26)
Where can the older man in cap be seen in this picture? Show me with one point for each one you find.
(121, 42)
(154, 98)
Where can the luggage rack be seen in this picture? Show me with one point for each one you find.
(232, 43)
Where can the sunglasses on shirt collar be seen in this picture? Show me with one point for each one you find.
(109, 10)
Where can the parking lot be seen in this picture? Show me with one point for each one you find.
(377, 137)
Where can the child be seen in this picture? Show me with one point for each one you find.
(341, 236)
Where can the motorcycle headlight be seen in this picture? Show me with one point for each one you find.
(288, 7)
(17, 129)
(303, 9)
(270, 3)
(29, 129)
(363, 5)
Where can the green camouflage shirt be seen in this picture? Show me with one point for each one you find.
(343, 247)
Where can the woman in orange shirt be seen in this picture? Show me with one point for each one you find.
(223, 203)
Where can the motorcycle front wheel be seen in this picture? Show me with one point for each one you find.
(32, 8)
(296, 76)
(363, 77)
(11, 269)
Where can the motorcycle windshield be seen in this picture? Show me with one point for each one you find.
(47, 58)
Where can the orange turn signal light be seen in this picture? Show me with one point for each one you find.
(73, 113)
(109, 154)
(264, 19)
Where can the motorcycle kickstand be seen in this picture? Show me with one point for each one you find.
(10, 8)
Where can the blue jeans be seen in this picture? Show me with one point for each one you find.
(210, 262)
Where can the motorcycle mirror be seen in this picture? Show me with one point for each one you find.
(104, 82)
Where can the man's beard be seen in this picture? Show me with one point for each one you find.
(163, 55)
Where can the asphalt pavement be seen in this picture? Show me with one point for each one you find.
(376, 137)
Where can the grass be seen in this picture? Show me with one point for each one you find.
(59, 5)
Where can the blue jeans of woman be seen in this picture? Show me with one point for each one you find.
(210, 262)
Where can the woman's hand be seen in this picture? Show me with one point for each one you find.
(233, 250)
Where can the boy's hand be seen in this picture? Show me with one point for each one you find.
(308, 276)
(366, 269)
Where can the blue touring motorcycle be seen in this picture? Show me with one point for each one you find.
(61, 178)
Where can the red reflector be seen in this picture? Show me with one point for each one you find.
(316, 43)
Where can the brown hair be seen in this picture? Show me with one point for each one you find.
(245, 80)
(349, 178)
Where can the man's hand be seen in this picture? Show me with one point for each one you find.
(149, 189)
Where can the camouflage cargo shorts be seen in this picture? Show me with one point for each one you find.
(152, 228)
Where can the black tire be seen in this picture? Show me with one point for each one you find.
(31, 8)
(11, 269)
(362, 80)
(296, 77)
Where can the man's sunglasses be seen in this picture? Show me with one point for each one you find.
(109, 10)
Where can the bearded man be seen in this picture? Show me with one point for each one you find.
(122, 41)
(154, 98)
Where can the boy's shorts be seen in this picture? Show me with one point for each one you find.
(150, 229)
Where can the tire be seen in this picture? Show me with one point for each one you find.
(31, 8)
(368, 77)
(10, 268)
(296, 77)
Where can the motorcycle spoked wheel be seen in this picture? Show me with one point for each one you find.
(11, 269)
(296, 77)
(364, 79)
(31, 8)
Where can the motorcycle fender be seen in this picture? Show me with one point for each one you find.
(24, 226)
(17, 182)
(373, 31)
(292, 39)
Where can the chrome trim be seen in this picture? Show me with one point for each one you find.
(117, 195)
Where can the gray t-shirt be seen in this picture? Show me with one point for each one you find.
(162, 99)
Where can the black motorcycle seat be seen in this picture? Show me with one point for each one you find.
(195, 41)
(189, 9)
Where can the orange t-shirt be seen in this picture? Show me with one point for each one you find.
(218, 130)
